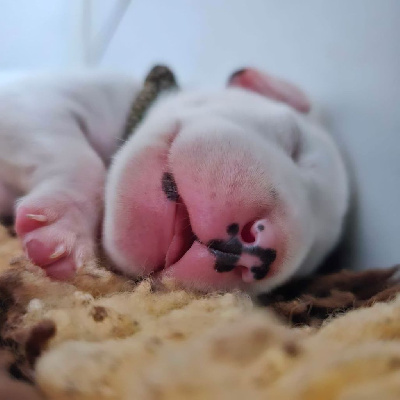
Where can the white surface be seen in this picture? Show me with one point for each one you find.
(37, 34)
(345, 53)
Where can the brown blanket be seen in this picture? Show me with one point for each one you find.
(312, 300)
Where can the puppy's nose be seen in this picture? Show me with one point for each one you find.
(258, 233)
(251, 248)
(259, 249)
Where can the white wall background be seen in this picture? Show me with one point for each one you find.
(345, 53)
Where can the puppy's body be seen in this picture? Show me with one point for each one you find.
(219, 190)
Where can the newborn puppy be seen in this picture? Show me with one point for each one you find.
(237, 188)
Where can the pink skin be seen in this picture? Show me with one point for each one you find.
(146, 205)
(56, 237)
(212, 211)
(52, 243)
(157, 234)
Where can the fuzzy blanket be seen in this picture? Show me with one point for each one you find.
(103, 337)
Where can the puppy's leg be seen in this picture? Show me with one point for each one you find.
(58, 219)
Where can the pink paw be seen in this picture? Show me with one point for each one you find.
(56, 236)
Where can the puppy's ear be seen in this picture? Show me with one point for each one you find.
(270, 86)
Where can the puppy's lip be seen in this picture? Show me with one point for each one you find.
(183, 236)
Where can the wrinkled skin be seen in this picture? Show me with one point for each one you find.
(236, 188)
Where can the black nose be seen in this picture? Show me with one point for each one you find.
(227, 255)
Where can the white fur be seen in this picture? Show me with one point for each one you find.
(58, 134)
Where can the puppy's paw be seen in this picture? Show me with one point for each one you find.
(57, 234)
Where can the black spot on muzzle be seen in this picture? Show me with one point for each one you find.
(233, 229)
(226, 252)
(169, 186)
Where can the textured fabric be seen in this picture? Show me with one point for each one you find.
(103, 337)
(312, 300)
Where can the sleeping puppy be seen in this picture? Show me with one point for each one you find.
(236, 188)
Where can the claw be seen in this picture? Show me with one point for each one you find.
(58, 252)
(37, 217)
(80, 262)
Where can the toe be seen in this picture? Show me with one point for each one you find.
(44, 253)
(56, 235)
(28, 220)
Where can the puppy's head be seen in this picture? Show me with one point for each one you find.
(231, 189)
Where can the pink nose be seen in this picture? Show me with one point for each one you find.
(258, 233)
(259, 250)
(252, 249)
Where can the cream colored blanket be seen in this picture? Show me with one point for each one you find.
(114, 340)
